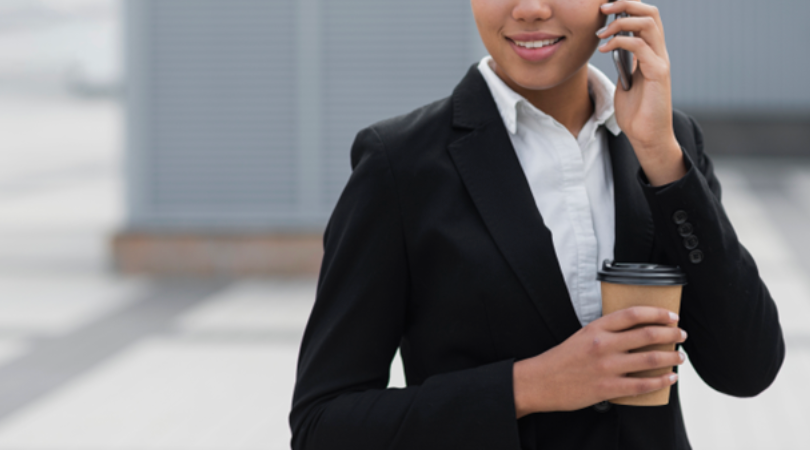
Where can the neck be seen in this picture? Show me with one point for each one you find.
(569, 102)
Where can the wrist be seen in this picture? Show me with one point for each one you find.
(532, 387)
(522, 385)
(663, 163)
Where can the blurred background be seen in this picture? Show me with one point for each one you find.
(169, 166)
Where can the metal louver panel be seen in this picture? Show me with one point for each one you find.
(734, 57)
(730, 55)
(242, 112)
(382, 59)
(218, 113)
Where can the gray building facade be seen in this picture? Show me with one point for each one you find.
(241, 113)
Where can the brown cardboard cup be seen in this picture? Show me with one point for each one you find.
(628, 285)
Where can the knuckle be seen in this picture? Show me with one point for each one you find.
(642, 387)
(655, 11)
(663, 315)
(634, 315)
(650, 334)
(605, 387)
(654, 360)
(603, 366)
(597, 346)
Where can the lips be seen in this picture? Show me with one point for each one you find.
(535, 47)
(537, 44)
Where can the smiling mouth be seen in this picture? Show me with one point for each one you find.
(537, 44)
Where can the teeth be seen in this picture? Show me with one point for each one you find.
(538, 44)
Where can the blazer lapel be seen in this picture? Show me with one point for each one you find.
(634, 222)
(492, 174)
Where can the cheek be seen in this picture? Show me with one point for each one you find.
(488, 16)
(583, 17)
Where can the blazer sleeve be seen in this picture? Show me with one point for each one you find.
(735, 341)
(341, 399)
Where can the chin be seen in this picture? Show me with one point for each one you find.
(535, 79)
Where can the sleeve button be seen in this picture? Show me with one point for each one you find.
(696, 256)
(602, 407)
(691, 242)
(685, 230)
(680, 217)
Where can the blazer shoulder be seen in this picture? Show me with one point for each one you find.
(426, 118)
(419, 130)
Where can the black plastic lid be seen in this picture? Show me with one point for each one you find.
(641, 274)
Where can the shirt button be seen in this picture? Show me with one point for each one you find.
(696, 256)
(680, 217)
(602, 407)
(685, 230)
(691, 242)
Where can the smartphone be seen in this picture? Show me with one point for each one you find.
(623, 59)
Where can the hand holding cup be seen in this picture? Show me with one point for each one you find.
(593, 364)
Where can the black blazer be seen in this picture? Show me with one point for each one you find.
(436, 246)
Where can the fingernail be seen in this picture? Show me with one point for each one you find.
(674, 317)
(683, 335)
(601, 30)
(673, 377)
(605, 5)
(683, 356)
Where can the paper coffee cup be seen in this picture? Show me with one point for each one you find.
(628, 285)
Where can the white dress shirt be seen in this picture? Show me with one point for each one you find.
(571, 180)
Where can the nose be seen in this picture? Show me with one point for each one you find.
(532, 10)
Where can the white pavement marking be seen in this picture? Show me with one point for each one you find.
(56, 305)
(11, 348)
(254, 306)
(799, 183)
(167, 394)
(776, 419)
(779, 268)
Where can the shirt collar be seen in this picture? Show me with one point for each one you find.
(507, 100)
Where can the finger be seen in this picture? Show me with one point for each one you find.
(633, 386)
(638, 315)
(652, 66)
(643, 27)
(637, 362)
(648, 335)
(634, 8)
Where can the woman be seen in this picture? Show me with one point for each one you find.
(470, 234)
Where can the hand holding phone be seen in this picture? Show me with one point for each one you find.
(644, 115)
(623, 59)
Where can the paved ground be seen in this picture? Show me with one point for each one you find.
(92, 360)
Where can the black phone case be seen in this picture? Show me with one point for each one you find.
(623, 60)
